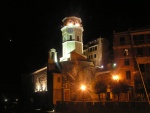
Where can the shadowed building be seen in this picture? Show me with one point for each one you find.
(132, 49)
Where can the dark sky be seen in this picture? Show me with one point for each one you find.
(30, 28)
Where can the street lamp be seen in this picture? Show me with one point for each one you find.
(83, 88)
(115, 77)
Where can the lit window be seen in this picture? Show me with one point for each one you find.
(126, 52)
(70, 23)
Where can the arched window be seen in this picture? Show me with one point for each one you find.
(70, 37)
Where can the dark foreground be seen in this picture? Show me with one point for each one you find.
(87, 107)
(103, 107)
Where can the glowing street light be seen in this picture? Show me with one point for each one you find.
(115, 77)
(83, 88)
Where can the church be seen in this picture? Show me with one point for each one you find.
(71, 77)
(80, 64)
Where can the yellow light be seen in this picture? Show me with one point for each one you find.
(83, 87)
(116, 77)
(77, 24)
(70, 24)
(38, 87)
(44, 87)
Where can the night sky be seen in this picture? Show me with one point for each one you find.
(31, 28)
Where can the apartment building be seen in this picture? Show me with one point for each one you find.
(132, 54)
(97, 51)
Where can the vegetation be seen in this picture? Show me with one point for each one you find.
(119, 87)
(100, 84)
(99, 87)
(103, 81)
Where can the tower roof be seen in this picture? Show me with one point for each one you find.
(72, 20)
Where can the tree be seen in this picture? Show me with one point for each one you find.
(99, 86)
(118, 87)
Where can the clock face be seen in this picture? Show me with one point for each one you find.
(70, 30)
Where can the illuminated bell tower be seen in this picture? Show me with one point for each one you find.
(72, 32)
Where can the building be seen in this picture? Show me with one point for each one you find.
(132, 55)
(61, 79)
(98, 52)
(72, 37)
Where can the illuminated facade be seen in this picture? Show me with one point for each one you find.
(97, 51)
(41, 75)
(40, 80)
(72, 32)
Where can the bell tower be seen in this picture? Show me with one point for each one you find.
(72, 33)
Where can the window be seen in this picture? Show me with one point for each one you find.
(94, 55)
(139, 52)
(147, 68)
(77, 38)
(95, 47)
(142, 68)
(122, 40)
(138, 39)
(70, 37)
(52, 55)
(128, 75)
(126, 62)
(91, 56)
(126, 52)
(90, 49)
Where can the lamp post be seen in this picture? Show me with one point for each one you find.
(116, 77)
(116, 88)
(83, 88)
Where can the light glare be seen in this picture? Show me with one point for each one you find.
(83, 87)
(116, 77)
